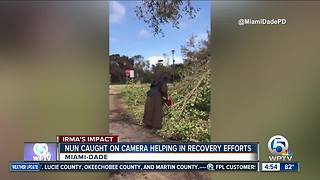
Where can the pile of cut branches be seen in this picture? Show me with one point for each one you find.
(188, 118)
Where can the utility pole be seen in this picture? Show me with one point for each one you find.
(173, 65)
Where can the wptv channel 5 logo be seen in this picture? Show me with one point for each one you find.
(279, 147)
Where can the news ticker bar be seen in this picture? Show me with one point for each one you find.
(153, 166)
(131, 166)
(280, 167)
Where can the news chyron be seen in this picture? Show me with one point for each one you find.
(281, 156)
(104, 153)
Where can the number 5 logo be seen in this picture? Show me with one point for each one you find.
(277, 144)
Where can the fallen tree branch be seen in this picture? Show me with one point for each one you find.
(187, 97)
(192, 92)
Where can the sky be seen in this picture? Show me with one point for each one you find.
(130, 36)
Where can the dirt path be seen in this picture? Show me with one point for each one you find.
(121, 124)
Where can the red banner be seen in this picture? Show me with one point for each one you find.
(127, 72)
(88, 139)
